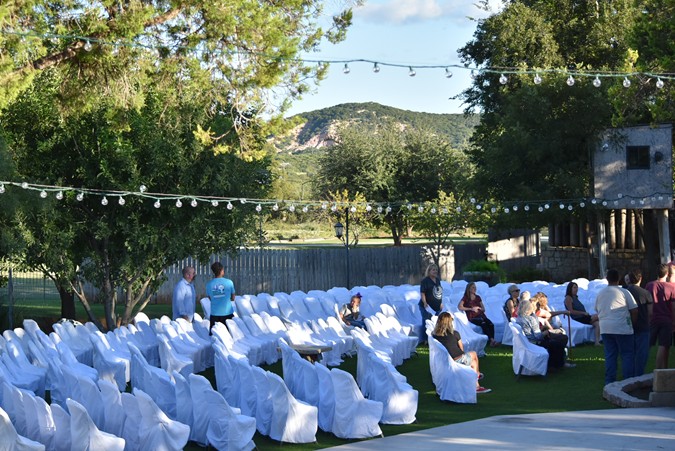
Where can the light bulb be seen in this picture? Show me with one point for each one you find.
(562, 206)
(620, 196)
(2, 188)
(409, 207)
(626, 82)
(353, 209)
(459, 210)
(569, 207)
(214, 203)
(121, 201)
(275, 207)
(506, 210)
(597, 82)
(193, 203)
(104, 201)
(604, 203)
(324, 206)
(178, 203)
(411, 71)
(291, 208)
(43, 194)
(433, 210)
(157, 204)
(502, 79)
(142, 188)
(479, 207)
(388, 210)
(526, 208)
(242, 201)
(473, 74)
(87, 46)
(379, 209)
(79, 197)
(420, 209)
(59, 195)
(376, 68)
(258, 208)
(333, 207)
(537, 79)
(346, 70)
(368, 208)
(593, 201)
(24, 185)
(570, 81)
(582, 204)
(448, 73)
(305, 209)
(493, 210)
(515, 208)
(229, 206)
(547, 206)
(541, 209)
(659, 83)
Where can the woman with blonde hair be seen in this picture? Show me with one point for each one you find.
(553, 343)
(446, 334)
(431, 295)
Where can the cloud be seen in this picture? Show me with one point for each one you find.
(412, 11)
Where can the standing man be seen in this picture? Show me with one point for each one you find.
(183, 300)
(617, 311)
(221, 292)
(661, 325)
(644, 301)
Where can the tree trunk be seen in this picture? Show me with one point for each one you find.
(67, 302)
(653, 255)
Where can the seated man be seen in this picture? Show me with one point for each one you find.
(349, 313)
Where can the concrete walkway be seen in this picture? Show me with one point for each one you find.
(611, 429)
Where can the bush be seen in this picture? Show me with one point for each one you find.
(528, 274)
(482, 266)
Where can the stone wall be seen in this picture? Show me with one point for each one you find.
(567, 263)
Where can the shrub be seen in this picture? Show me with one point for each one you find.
(529, 274)
(486, 266)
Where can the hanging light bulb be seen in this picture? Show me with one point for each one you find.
(526, 208)
(121, 201)
(420, 209)
(59, 195)
(659, 83)
(569, 207)
(388, 210)
(433, 210)
(214, 203)
(104, 201)
(597, 82)
(142, 188)
(324, 206)
(353, 209)
(503, 79)
(570, 81)
(379, 208)
(24, 185)
(582, 204)
(473, 200)
(411, 71)
(541, 209)
(459, 209)
(537, 79)
(87, 46)
(604, 203)
(493, 210)
(291, 208)
(193, 203)
(626, 82)
(479, 207)
(43, 194)
(258, 208)
(346, 70)
(506, 210)
(229, 206)
(79, 196)
(305, 209)
(368, 208)
(242, 201)
(562, 206)
(376, 68)
(448, 73)
(473, 74)
(178, 203)
(547, 206)
(515, 208)
(333, 207)
(157, 204)
(409, 207)
(275, 207)
(2, 188)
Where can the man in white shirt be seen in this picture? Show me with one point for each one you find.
(183, 300)
(617, 311)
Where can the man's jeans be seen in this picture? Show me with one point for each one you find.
(616, 345)
(641, 340)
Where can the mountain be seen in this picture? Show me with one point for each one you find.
(316, 129)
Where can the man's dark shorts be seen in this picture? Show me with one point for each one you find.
(661, 334)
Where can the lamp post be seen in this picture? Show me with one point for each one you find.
(339, 229)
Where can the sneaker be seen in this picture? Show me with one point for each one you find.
(570, 365)
(481, 376)
(483, 390)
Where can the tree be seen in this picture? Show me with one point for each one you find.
(392, 167)
(243, 52)
(123, 249)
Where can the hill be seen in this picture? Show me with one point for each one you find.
(317, 128)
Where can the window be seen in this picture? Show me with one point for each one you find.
(637, 157)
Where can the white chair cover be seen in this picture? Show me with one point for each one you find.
(225, 374)
(154, 381)
(390, 388)
(68, 359)
(206, 307)
(247, 397)
(173, 361)
(528, 358)
(263, 412)
(326, 398)
(132, 422)
(224, 429)
(184, 412)
(454, 381)
(12, 373)
(18, 359)
(185, 347)
(157, 431)
(92, 401)
(10, 440)
(40, 423)
(355, 416)
(113, 408)
(62, 423)
(110, 365)
(293, 421)
(507, 338)
(188, 332)
(84, 434)
(12, 402)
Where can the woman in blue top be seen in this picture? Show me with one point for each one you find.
(221, 292)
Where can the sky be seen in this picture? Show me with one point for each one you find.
(406, 32)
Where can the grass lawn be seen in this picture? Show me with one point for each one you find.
(570, 389)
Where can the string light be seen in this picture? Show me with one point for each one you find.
(59, 195)
(104, 201)
(43, 194)
(503, 79)
(659, 83)
(258, 208)
(411, 71)
(570, 81)
(121, 201)
(346, 69)
(179, 203)
(79, 197)
(87, 46)
(142, 188)
(157, 204)
(448, 73)
(2, 188)
(537, 79)
(214, 203)
(193, 203)
(597, 82)
(626, 82)
(376, 68)
(229, 206)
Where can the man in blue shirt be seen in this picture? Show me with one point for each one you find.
(221, 292)
(183, 300)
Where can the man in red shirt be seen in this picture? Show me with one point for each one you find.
(661, 325)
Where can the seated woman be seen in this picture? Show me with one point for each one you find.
(472, 304)
(350, 315)
(547, 317)
(446, 334)
(578, 311)
(554, 343)
(511, 304)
